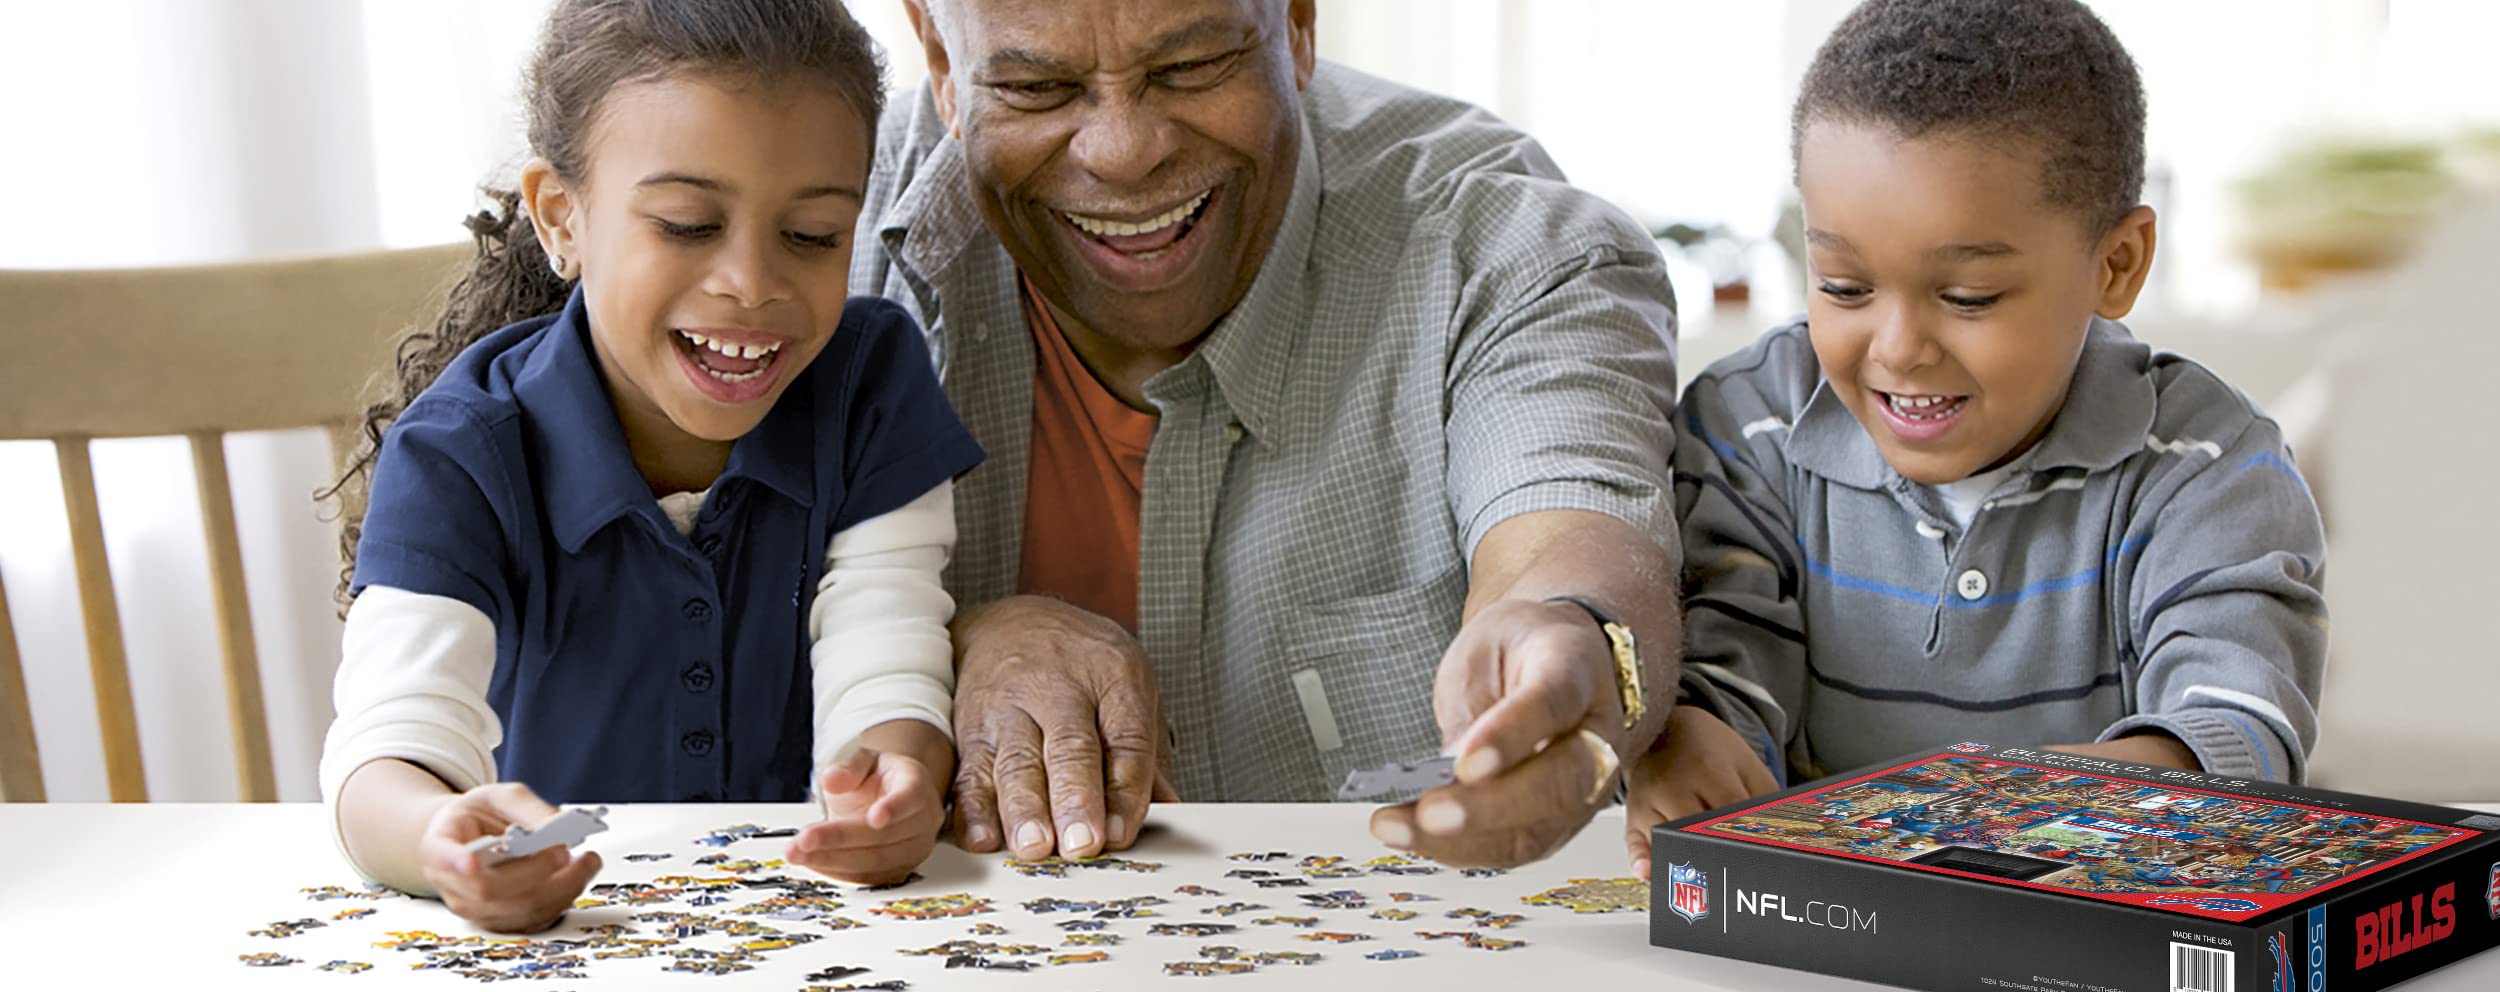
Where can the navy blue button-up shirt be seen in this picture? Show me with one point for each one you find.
(633, 663)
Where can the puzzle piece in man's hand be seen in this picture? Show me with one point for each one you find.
(565, 829)
(1399, 776)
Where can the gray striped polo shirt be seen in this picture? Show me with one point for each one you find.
(2157, 563)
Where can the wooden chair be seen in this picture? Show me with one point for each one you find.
(198, 352)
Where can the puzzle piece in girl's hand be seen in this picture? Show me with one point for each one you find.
(1399, 776)
(565, 829)
(1596, 895)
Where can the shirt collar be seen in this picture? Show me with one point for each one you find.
(2109, 409)
(1250, 349)
(587, 476)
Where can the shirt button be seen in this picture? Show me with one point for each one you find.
(1232, 433)
(1972, 585)
(698, 743)
(697, 609)
(697, 677)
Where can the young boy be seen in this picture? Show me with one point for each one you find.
(1960, 502)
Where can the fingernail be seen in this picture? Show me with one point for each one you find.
(976, 836)
(1441, 817)
(1607, 764)
(1640, 867)
(1479, 764)
(1393, 833)
(1118, 828)
(1077, 837)
(1029, 836)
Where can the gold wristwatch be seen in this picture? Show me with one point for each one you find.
(1627, 653)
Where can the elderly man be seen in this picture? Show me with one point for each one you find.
(1327, 427)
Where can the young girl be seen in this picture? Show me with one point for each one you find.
(673, 532)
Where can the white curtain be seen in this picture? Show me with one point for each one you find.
(160, 131)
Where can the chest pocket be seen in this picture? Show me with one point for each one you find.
(1360, 672)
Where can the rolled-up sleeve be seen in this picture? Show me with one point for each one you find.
(1564, 400)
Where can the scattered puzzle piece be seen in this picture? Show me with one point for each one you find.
(935, 907)
(1596, 895)
(1200, 969)
(267, 959)
(1086, 957)
(347, 967)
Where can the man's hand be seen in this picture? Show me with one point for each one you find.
(1699, 763)
(524, 895)
(1526, 698)
(1058, 731)
(884, 802)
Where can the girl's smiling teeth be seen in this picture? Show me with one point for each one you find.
(1921, 408)
(728, 361)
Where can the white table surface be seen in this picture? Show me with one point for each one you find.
(161, 896)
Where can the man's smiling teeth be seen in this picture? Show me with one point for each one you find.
(1101, 228)
(1923, 407)
(728, 350)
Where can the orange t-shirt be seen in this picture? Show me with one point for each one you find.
(1086, 480)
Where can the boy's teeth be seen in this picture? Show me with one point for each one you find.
(1921, 407)
(1101, 228)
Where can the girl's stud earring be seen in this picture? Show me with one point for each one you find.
(555, 263)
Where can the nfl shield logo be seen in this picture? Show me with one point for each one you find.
(1968, 747)
(1688, 892)
(2491, 892)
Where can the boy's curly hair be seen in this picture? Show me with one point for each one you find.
(588, 48)
(2046, 73)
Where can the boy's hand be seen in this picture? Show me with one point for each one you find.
(2149, 748)
(524, 895)
(882, 813)
(1699, 763)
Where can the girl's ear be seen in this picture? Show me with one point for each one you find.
(555, 213)
(2125, 259)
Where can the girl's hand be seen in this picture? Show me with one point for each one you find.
(1699, 763)
(882, 813)
(524, 895)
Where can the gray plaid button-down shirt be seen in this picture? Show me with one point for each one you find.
(1444, 335)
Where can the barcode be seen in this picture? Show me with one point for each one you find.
(2199, 969)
